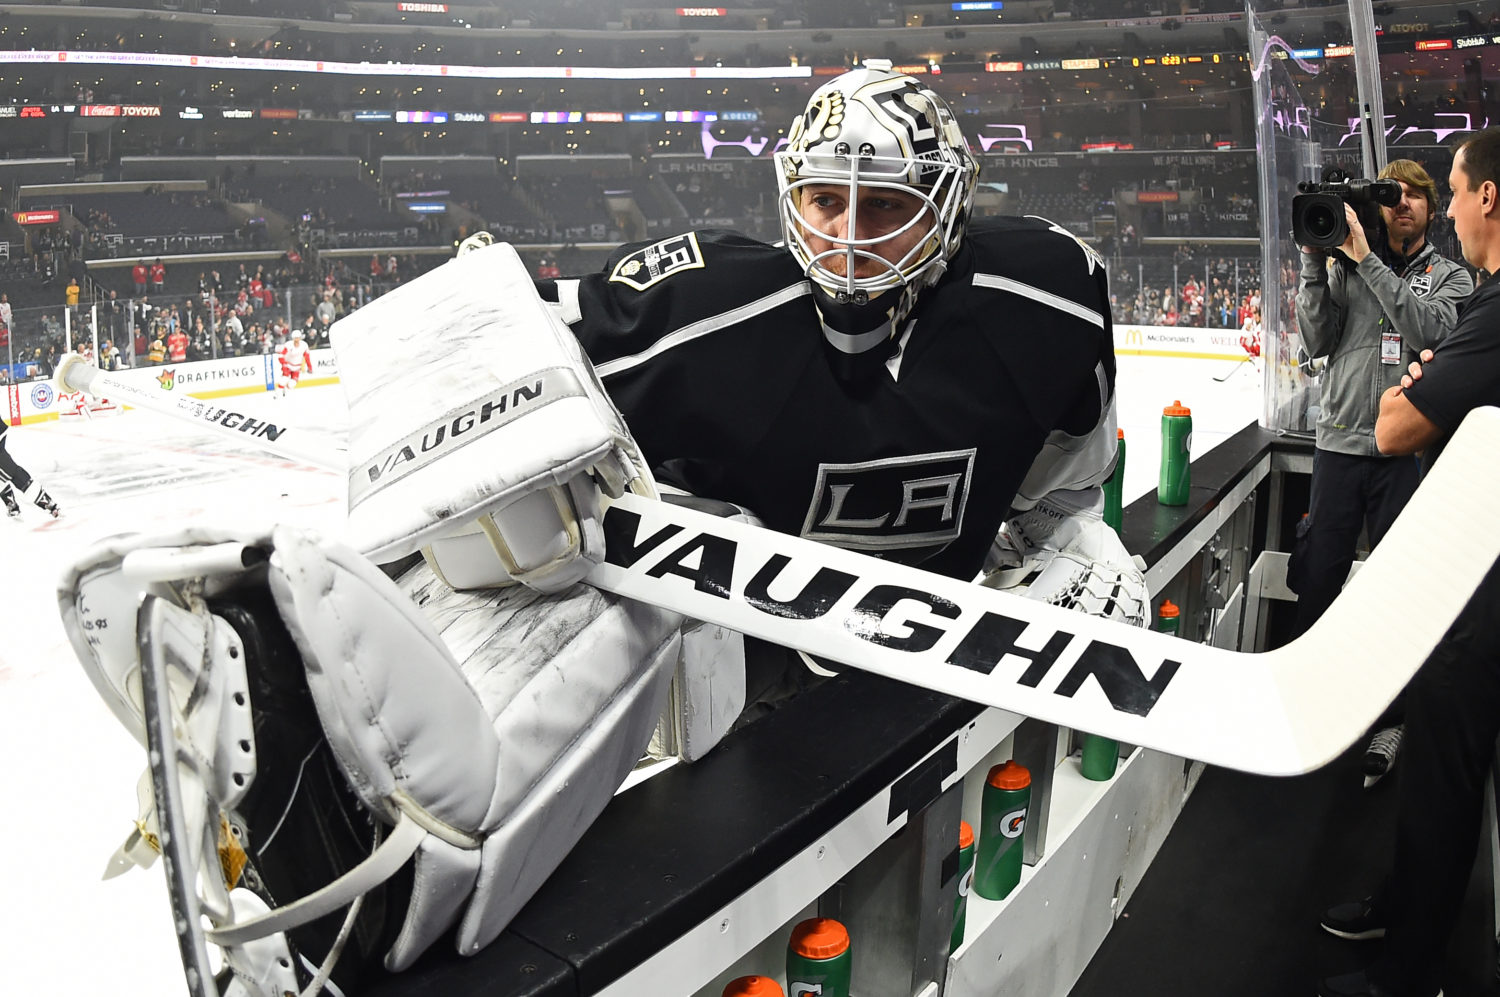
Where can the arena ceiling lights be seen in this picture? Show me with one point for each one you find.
(219, 63)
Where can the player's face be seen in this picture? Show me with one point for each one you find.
(879, 213)
(1407, 219)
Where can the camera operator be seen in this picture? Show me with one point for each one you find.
(1370, 311)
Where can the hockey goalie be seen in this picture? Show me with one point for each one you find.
(353, 752)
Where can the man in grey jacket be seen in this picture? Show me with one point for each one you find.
(1370, 311)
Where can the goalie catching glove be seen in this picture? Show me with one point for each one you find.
(317, 744)
(479, 432)
(1062, 552)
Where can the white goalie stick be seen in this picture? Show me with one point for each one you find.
(1280, 712)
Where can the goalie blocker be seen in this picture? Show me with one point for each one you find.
(446, 441)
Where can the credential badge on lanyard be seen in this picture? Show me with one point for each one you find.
(1390, 347)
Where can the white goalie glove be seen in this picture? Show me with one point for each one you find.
(1062, 552)
(479, 432)
(322, 739)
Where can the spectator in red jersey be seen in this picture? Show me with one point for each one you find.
(177, 344)
(158, 275)
(138, 277)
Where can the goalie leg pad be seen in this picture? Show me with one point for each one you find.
(498, 756)
(576, 681)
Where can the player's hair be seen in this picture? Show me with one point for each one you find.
(1481, 157)
(1411, 173)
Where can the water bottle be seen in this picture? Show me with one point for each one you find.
(1002, 822)
(819, 961)
(753, 986)
(1100, 756)
(1114, 510)
(1167, 616)
(965, 880)
(1176, 442)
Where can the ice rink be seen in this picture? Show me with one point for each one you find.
(74, 796)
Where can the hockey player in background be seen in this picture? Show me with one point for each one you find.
(14, 477)
(897, 379)
(292, 358)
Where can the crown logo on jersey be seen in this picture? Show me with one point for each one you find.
(658, 261)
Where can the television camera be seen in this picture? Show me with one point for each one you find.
(1318, 220)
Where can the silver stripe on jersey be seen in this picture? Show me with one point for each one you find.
(703, 327)
(1071, 462)
(863, 342)
(1040, 296)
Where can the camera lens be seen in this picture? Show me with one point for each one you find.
(1321, 223)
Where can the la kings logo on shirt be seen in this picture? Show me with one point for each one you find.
(893, 504)
(658, 261)
(1421, 284)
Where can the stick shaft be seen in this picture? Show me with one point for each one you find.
(229, 421)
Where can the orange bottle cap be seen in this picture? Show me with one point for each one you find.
(1119, 434)
(754, 986)
(1168, 608)
(1177, 408)
(1010, 775)
(819, 938)
(965, 834)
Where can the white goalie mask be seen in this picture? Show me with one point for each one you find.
(873, 128)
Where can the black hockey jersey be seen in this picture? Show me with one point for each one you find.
(710, 344)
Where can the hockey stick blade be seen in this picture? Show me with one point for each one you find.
(237, 423)
(1280, 712)
(1238, 366)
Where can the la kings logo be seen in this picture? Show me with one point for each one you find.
(658, 261)
(894, 504)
